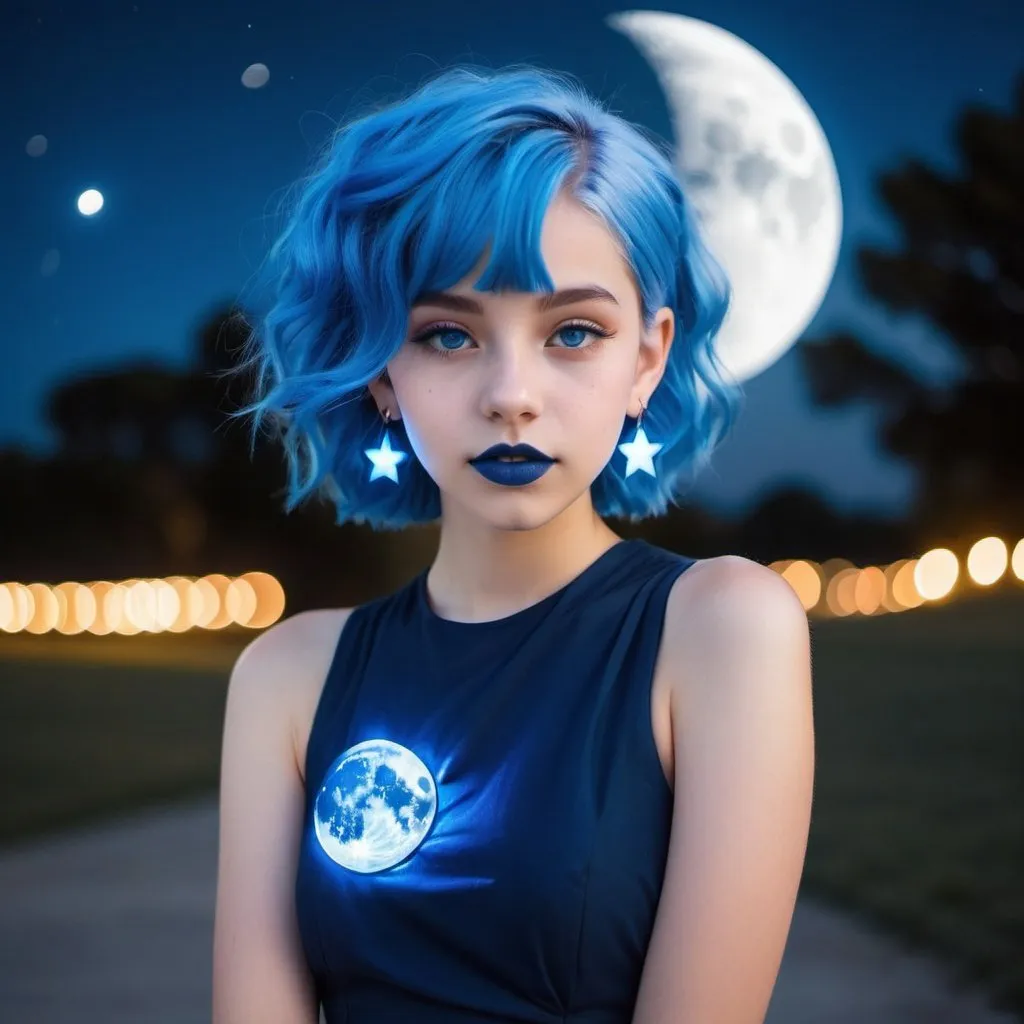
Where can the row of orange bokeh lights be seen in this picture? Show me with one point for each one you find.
(837, 588)
(173, 605)
(255, 600)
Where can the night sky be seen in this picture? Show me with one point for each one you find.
(144, 101)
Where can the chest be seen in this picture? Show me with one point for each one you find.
(306, 691)
(489, 820)
(515, 855)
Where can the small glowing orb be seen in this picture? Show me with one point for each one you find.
(375, 807)
(90, 202)
(255, 76)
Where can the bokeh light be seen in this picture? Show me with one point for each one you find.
(869, 590)
(987, 560)
(936, 573)
(805, 578)
(255, 76)
(90, 202)
(1017, 559)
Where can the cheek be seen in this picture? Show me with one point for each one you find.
(597, 419)
(604, 400)
(421, 432)
(431, 423)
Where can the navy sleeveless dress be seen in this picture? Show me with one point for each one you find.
(487, 820)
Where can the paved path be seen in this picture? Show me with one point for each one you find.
(115, 925)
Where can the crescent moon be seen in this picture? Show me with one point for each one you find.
(757, 167)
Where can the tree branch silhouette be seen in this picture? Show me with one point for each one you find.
(960, 266)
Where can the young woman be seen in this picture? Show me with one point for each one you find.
(558, 776)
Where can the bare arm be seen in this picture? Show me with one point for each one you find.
(742, 720)
(259, 972)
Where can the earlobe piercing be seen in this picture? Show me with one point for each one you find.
(640, 452)
(385, 459)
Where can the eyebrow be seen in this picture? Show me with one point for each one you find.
(549, 300)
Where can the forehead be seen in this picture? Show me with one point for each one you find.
(574, 239)
(577, 249)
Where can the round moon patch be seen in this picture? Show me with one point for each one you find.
(375, 806)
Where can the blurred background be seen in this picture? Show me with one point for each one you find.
(877, 465)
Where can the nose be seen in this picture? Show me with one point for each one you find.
(511, 385)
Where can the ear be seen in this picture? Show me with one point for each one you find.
(383, 393)
(655, 345)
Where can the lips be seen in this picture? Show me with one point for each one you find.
(524, 451)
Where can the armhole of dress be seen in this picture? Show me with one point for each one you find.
(342, 642)
(659, 599)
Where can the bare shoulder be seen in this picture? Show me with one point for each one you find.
(728, 604)
(259, 969)
(288, 664)
(742, 727)
(732, 581)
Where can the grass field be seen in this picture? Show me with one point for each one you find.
(101, 728)
(918, 817)
(919, 801)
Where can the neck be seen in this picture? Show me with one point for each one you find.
(482, 572)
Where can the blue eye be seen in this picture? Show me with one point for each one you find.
(577, 329)
(446, 336)
(445, 333)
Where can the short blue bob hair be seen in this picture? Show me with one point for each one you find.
(406, 199)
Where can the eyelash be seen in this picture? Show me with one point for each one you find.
(583, 325)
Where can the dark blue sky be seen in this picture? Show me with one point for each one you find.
(143, 101)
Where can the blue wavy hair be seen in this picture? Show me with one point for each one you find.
(405, 199)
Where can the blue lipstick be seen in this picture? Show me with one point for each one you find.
(512, 474)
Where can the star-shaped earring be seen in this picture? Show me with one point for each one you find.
(385, 459)
(640, 452)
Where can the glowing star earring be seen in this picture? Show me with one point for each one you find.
(640, 452)
(385, 459)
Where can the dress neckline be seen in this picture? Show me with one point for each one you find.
(610, 556)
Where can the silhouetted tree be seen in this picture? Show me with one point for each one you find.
(156, 461)
(153, 476)
(961, 266)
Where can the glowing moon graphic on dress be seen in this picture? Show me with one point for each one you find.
(375, 807)
(757, 167)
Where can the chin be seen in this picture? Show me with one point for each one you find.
(515, 509)
(515, 516)
(521, 512)
(520, 522)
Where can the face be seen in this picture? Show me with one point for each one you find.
(559, 377)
